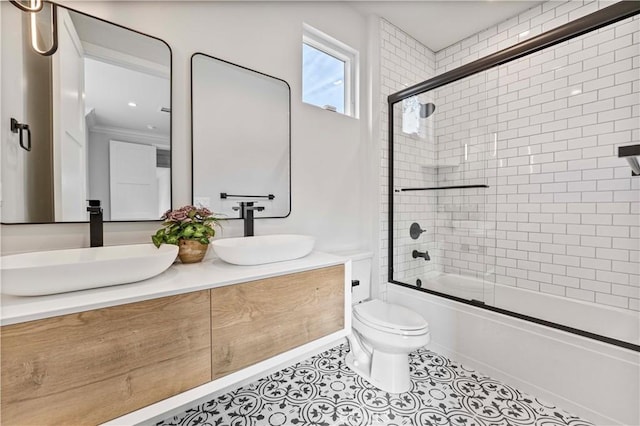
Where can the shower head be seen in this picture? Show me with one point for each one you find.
(427, 109)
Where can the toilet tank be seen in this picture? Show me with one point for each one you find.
(360, 271)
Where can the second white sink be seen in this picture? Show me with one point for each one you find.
(61, 271)
(263, 249)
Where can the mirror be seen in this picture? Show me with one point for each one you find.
(99, 114)
(241, 138)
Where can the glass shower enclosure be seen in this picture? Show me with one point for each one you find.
(508, 186)
(444, 188)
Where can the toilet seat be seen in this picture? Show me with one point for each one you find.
(390, 318)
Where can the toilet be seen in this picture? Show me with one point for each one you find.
(383, 334)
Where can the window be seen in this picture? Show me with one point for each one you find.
(329, 72)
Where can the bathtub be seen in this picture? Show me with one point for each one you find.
(615, 323)
(462, 286)
(588, 377)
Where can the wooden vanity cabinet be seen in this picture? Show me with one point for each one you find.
(90, 367)
(93, 366)
(254, 321)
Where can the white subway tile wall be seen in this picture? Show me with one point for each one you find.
(562, 214)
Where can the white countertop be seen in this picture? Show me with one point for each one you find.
(210, 273)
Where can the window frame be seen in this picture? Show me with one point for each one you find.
(344, 53)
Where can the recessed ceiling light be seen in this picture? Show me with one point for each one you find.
(337, 82)
(576, 92)
(150, 126)
(132, 104)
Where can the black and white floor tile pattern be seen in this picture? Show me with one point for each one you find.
(322, 391)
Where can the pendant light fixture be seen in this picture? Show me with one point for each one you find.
(34, 7)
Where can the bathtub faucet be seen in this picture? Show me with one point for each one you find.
(416, 254)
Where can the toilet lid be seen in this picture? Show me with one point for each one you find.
(390, 316)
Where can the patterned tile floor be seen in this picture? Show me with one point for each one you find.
(322, 391)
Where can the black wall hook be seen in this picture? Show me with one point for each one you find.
(17, 127)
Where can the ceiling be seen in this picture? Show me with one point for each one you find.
(439, 24)
(108, 90)
(118, 39)
(124, 67)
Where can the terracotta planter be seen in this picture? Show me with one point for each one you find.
(191, 251)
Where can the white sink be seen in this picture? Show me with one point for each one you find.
(263, 249)
(61, 271)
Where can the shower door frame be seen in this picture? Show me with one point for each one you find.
(596, 20)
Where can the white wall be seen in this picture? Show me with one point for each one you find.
(330, 157)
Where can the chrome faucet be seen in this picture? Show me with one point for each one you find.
(95, 223)
(246, 209)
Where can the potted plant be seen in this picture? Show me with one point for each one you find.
(190, 228)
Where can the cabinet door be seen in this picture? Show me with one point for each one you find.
(89, 367)
(260, 319)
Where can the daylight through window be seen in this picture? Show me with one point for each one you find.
(329, 72)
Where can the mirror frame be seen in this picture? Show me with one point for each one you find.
(289, 127)
(170, 126)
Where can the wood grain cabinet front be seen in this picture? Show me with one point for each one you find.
(254, 321)
(89, 367)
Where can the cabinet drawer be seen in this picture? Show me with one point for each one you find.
(89, 367)
(253, 321)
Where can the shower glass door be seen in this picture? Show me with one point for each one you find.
(445, 146)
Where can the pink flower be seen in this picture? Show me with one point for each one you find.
(204, 212)
(177, 215)
(188, 214)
